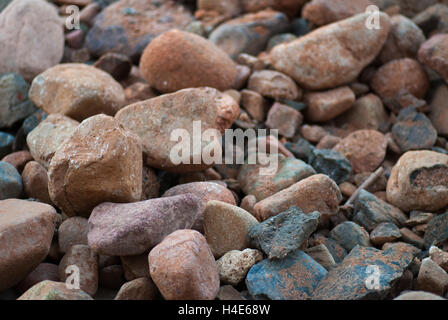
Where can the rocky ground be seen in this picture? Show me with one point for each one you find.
(357, 208)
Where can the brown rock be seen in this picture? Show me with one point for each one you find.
(35, 182)
(18, 159)
(275, 85)
(328, 142)
(116, 64)
(135, 266)
(72, 231)
(183, 267)
(150, 184)
(248, 203)
(44, 271)
(313, 133)
(432, 278)
(138, 92)
(433, 53)
(254, 104)
(440, 257)
(418, 295)
(51, 290)
(439, 110)
(290, 7)
(101, 161)
(138, 289)
(285, 119)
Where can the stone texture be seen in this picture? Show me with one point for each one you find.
(137, 289)
(101, 161)
(384, 232)
(432, 278)
(112, 277)
(72, 231)
(285, 119)
(331, 163)
(321, 255)
(349, 234)
(433, 53)
(254, 104)
(437, 231)
(10, 181)
(35, 182)
(234, 265)
(51, 290)
(274, 84)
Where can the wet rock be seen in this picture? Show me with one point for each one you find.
(234, 265)
(437, 231)
(115, 64)
(439, 110)
(432, 278)
(284, 233)
(101, 161)
(321, 255)
(132, 228)
(348, 234)
(274, 84)
(10, 181)
(433, 54)
(384, 232)
(44, 271)
(177, 60)
(82, 91)
(418, 181)
(333, 58)
(137, 289)
(72, 231)
(292, 278)
(182, 267)
(51, 290)
(332, 163)
(35, 182)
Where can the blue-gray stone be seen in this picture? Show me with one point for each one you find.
(10, 181)
(436, 231)
(33, 121)
(332, 163)
(280, 38)
(6, 141)
(348, 234)
(302, 149)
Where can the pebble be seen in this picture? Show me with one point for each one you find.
(418, 218)
(21, 25)
(321, 255)
(437, 231)
(214, 109)
(132, 228)
(101, 161)
(410, 237)
(52, 290)
(284, 233)
(418, 295)
(337, 252)
(439, 110)
(418, 181)
(138, 92)
(226, 227)
(183, 268)
(72, 231)
(315, 193)
(292, 278)
(274, 84)
(234, 265)
(313, 133)
(11, 185)
(333, 58)
(432, 278)
(285, 119)
(44, 271)
(6, 141)
(18, 159)
(35, 182)
(20, 254)
(254, 104)
(440, 257)
(433, 54)
(385, 232)
(365, 149)
(138, 289)
(322, 12)
(349, 234)
(135, 266)
(116, 64)
(331, 163)
(177, 60)
(82, 91)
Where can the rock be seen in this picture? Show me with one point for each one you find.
(101, 161)
(18, 159)
(227, 9)
(418, 295)
(280, 38)
(413, 130)
(214, 109)
(328, 142)
(82, 91)
(326, 57)
(14, 102)
(22, 254)
(10, 181)
(137, 289)
(337, 252)
(321, 255)
(315, 193)
(182, 267)
(49, 135)
(126, 27)
(289, 171)
(150, 184)
(51, 290)
(313, 133)
(205, 191)
(6, 141)
(284, 233)
(135, 266)
(372, 211)
(254, 104)
(384, 232)
(44, 271)
(418, 181)
(440, 257)
(433, 54)
(72, 231)
(35, 182)
(138, 92)
(32, 121)
(112, 277)
(285, 119)
(410, 237)
(177, 60)
(418, 218)
(349, 279)
(226, 227)
(365, 149)
(21, 25)
(132, 228)
(227, 292)
(321, 12)
(289, 7)
(116, 64)
(274, 84)
(234, 265)
(292, 278)
(332, 163)
(433, 20)
(249, 33)
(439, 110)
(254, 63)
(86, 260)
(432, 278)
(437, 231)
(348, 234)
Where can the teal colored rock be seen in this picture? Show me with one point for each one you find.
(385, 232)
(3, 4)
(302, 149)
(335, 249)
(292, 278)
(348, 234)
(6, 141)
(32, 121)
(332, 163)
(436, 231)
(10, 181)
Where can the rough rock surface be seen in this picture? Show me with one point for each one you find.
(52, 290)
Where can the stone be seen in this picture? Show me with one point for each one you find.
(101, 161)
(44, 271)
(418, 218)
(410, 237)
(439, 110)
(349, 234)
(418, 295)
(418, 181)
(248, 203)
(86, 260)
(384, 232)
(226, 227)
(432, 278)
(326, 57)
(289, 7)
(321, 255)
(35, 182)
(253, 181)
(326, 105)
(285, 119)
(32, 121)
(433, 53)
(137, 289)
(123, 229)
(365, 149)
(6, 141)
(437, 231)
(135, 266)
(116, 64)
(75, 39)
(14, 102)
(337, 252)
(274, 84)
(205, 191)
(21, 25)
(18, 159)
(183, 268)
(22, 254)
(234, 265)
(292, 278)
(177, 60)
(72, 231)
(284, 233)
(112, 277)
(82, 91)
(440, 257)
(313, 133)
(150, 184)
(227, 292)
(328, 142)
(248, 33)
(433, 20)
(347, 281)
(331, 163)
(52, 290)
(254, 104)
(315, 193)
(215, 110)
(127, 27)
(137, 92)
(11, 185)
(227, 9)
